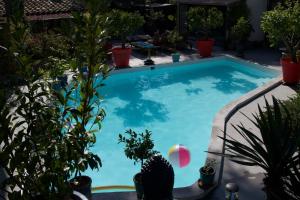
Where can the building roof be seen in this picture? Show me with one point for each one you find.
(208, 2)
(45, 9)
(2, 8)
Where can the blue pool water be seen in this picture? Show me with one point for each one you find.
(177, 103)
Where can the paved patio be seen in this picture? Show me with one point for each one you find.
(264, 56)
(249, 179)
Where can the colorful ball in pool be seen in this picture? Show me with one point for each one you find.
(179, 155)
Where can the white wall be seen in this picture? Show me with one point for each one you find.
(257, 7)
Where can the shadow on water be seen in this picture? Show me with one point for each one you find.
(193, 91)
(139, 109)
(228, 83)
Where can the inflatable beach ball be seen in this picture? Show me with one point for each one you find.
(179, 155)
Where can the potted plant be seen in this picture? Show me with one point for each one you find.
(203, 21)
(138, 147)
(174, 38)
(283, 25)
(207, 173)
(240, 33)
(82, 116)
(122, 25)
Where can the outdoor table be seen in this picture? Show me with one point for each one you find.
(148, 46)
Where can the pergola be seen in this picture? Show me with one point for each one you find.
(182, 6)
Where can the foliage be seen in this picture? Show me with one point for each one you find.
(42, 45)
(209, 166)
(124, 24)
(241, 30)
(14, 59)
(283, 25)
(152, 19)
(204, 20)
(155, 15)
(47, 137)
(293, 105)
(41, 50)
(174, 38)
(32, 152)
(238, 10)
(273, 150)
(84, 114)
(138, 146)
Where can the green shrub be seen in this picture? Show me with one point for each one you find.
(238, 10)
(241, 30)
(203, 20)
(124, 24)
(174, 38)
(283, 25)
(33, 145)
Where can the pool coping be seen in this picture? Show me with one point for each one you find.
(194, 192)
(225, 114)
(193, 61)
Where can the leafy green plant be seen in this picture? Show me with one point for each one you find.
(241, 30)
(209, 166)
(32, 145)
(174, 38)
(236, 11)
(124, 24)
(273, 149)
(46, 135)
(203, 20)
(84, 114)
(138, 146)
(282, 25)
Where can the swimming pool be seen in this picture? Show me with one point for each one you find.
(177, 103)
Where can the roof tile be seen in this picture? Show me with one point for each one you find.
(45, 7)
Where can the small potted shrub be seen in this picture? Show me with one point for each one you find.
(203, 21)
(174, 38)
(207, 173)
(138, 147)
(240, 33)
(282, 25)
(124, 24)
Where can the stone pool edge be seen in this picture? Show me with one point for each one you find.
(223, 116)
(193, 192)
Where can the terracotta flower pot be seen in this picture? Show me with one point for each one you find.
(290, 71)
(205, 47)
(121, 56)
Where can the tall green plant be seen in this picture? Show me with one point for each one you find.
(282, 25)
(125, 24)
(32, 145)
(203, 20)
(47, 137)
(85, 114)
(273, 149)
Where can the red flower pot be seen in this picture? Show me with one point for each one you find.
(205, 47)
(290, 71)
(121, 56)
